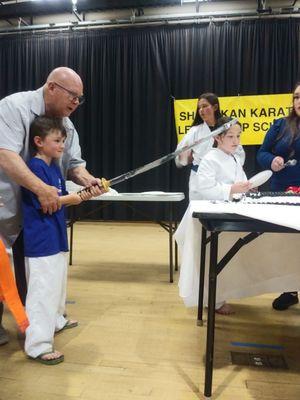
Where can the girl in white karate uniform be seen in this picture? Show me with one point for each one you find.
(207, 114)
(220, 175)
(257, 268)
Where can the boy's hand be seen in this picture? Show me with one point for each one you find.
(85, 195)
(240, 187)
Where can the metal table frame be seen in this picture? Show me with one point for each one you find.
(127, 199)
(215, 223)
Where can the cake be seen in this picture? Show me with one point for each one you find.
(284, 198)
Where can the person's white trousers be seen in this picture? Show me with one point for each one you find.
(45, 301)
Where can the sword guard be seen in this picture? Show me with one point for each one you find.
(105, 184)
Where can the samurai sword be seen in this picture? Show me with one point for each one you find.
(156, 163)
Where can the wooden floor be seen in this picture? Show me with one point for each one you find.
(137, 341)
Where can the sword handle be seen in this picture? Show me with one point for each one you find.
(105, 184)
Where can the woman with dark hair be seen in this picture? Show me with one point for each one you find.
(282, 143)
(207, 114)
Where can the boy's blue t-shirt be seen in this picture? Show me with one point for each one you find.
(44, 234)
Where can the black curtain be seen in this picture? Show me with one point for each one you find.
(131, 76)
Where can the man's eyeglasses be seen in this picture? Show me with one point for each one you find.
(73, 96)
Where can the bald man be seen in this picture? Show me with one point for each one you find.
(59, 97)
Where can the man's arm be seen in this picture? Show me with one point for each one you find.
(81, 176)
(13, 165)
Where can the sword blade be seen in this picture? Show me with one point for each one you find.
(168, 157)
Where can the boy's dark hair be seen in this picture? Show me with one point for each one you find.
(42, 126)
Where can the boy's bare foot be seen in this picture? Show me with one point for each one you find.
(225, 309)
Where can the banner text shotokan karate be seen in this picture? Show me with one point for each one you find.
(255, 113)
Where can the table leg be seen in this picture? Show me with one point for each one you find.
(201, 276)
(72, 221)
(176, 247)
(171, 240)
(211, 314)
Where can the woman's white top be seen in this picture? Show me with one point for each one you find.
(193, 135)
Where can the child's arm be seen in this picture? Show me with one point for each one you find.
(70, 199)
(240, 187)
(74, 199)
(210, 182)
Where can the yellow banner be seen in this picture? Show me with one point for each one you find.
(255, 113)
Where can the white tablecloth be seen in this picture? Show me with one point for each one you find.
(113, 195)
(270, 263)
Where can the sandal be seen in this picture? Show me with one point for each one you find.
(48, 361)
(69, 325)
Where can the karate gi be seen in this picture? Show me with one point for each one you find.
(45, 247)
(216, 174)
(198, 152)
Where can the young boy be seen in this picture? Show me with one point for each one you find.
(220, 174)
(45, 243)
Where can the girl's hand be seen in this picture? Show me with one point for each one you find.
(240, 187)
(277, 164)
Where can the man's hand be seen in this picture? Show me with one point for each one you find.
(277, 164)
(95, 187)
(82, 177)
(49, 199)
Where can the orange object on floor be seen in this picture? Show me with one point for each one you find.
(9, 291)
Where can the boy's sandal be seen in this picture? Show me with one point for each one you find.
(48, 361)
(69, 325)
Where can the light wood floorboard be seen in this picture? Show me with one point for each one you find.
(137, 341)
